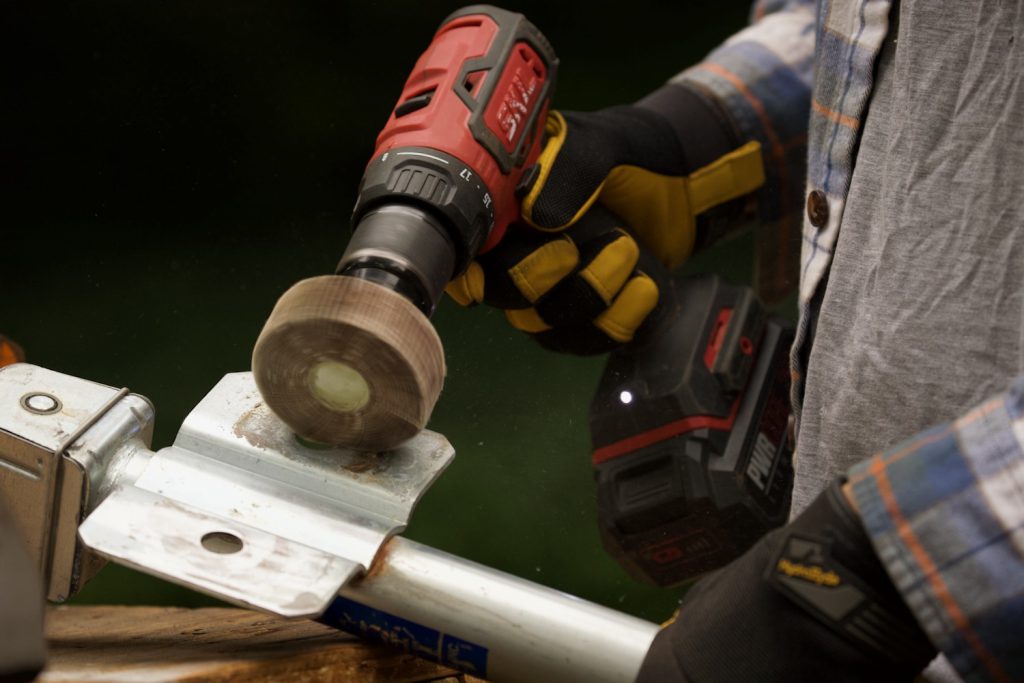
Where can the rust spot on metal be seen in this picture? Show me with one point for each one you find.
(381, 562)
(248, 426)
(365, 463)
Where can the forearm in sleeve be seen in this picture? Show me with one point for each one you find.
(944, 511)
(758, 84)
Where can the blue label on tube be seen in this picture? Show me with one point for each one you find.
(406, 635)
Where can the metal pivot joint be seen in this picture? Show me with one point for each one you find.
(64, 444)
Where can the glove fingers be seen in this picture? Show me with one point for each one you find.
(543, 269)
(579, 291)
(526, 320)
(637, 299)
(593, 326)
(571, 303)
(608, 271)
(525, 266)
(575, 300)
(468, 288)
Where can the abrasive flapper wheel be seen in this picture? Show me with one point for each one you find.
(349, 363)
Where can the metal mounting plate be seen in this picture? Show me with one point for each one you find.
(286, 524)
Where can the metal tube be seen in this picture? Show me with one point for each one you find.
(487, 622)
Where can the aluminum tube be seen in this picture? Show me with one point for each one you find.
(526, 632)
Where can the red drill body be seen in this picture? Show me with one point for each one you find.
(441, 185)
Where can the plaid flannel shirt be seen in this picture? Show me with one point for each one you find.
(946, 509)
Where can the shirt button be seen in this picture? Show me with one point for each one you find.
(817, 208)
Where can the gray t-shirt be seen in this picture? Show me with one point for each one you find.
(921, 316)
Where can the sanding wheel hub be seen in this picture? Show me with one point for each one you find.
(350, 363)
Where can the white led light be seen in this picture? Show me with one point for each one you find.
(626, 397)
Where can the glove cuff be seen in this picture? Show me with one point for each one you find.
(808, 602)
(825, 562)
(705, 133)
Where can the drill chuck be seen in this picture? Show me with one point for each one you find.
(405, 249)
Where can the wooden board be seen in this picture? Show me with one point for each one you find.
(151, 644)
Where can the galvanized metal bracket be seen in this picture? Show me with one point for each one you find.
(241, 509)
(238, 507)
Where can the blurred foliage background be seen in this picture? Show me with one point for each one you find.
(170, 168)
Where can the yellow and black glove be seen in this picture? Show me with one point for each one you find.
(660, 166)
(581, 290)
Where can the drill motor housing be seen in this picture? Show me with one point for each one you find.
(690, 432)
(441, 185)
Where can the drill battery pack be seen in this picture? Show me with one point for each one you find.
(690, 428)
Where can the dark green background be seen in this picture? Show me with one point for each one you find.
(171, 168)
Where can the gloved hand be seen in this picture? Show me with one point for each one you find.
(581, 290)
(658, 166)
(809, 602)
(634, 161)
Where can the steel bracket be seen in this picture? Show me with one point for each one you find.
(238, 507)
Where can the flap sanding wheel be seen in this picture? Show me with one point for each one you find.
(349, 363)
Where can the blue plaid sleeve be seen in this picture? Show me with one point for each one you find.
(762, 78)
(945, 512)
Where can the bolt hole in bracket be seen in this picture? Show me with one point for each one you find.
(221, 542)
(242, 510)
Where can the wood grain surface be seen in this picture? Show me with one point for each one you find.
(151, 644)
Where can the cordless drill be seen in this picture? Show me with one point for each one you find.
(689, 422)
(351, 359)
